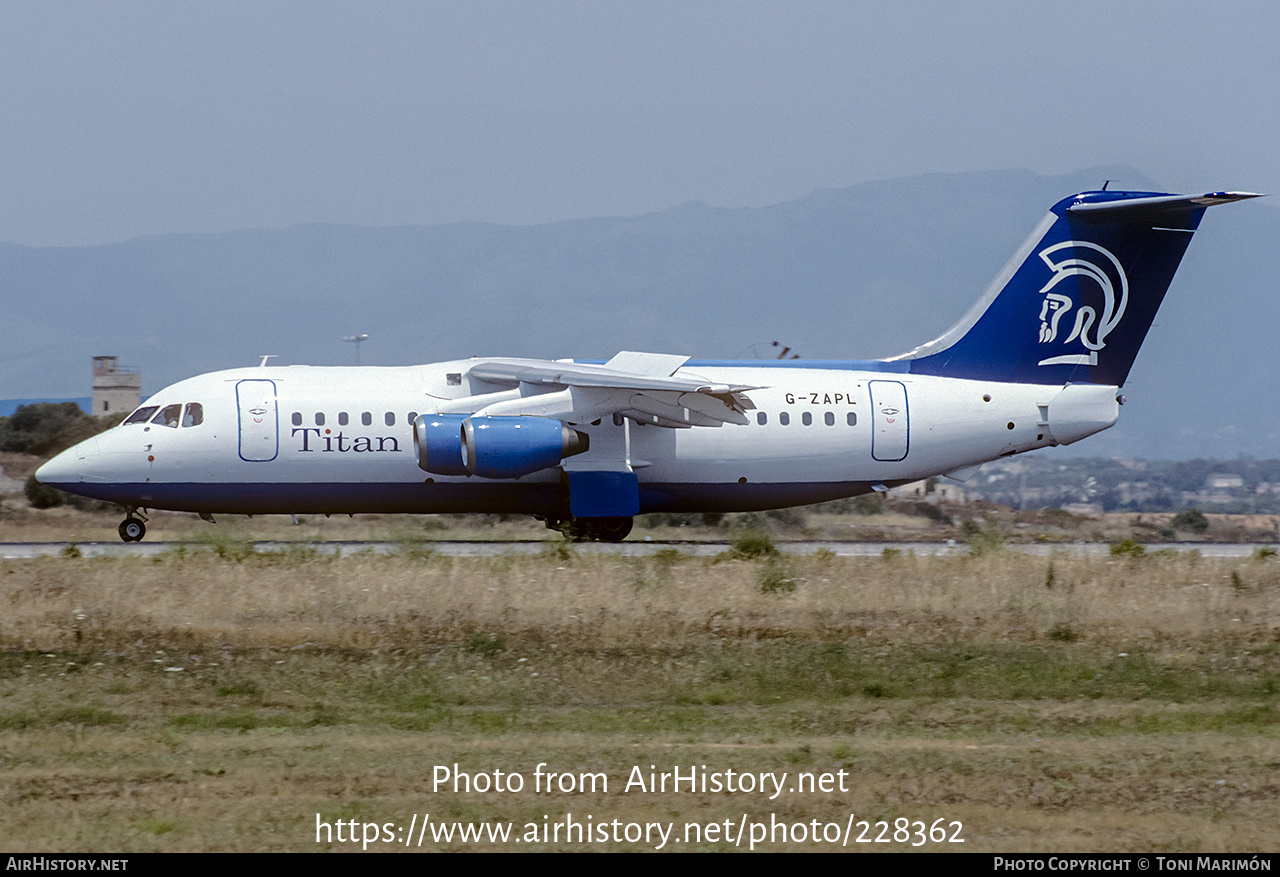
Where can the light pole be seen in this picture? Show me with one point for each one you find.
(357, 339)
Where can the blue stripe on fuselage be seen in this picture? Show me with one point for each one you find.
(900, 367)
(548, 498)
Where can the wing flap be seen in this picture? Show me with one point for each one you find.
(642, 386)
(578, 374)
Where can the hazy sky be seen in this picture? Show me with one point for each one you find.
(127, 118)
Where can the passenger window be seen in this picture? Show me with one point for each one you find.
(319, 418)
(194, 415)
(784, 418)
(413, 415)
(762, 418)
(366, 419)
(169, 416)
(829, 419)
(342, 418)
(142, 415)
(806, 419)
(390, 419)
(851, 418)
(297, 418)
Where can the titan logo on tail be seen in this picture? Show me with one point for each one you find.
(1056, 304)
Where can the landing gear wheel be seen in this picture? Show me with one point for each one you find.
(612, 529)
(597, 529)
(132, 530)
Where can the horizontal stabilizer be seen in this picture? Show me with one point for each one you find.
(1156, 205)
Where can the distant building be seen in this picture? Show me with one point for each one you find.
(1083, 508)
(1221, 487)
(1136, 492)
(115, 390)
(1223, 481)
(923, 491)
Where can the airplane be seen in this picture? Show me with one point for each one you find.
(586, 446)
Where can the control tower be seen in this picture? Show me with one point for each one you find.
(116, 390)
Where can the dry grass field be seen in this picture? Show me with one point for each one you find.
(216, 699)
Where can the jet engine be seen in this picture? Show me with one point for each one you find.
(439, 441)
(493, 447)
(508, 447)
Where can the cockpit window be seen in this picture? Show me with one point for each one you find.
(142, 415)
(194, 415)
(169, 416)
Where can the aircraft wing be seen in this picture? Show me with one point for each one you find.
(641, 386)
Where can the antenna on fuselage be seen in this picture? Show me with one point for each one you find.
(267, 356)
(356, 339)
(755, 354)
(785, 351)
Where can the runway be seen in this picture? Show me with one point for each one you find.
(638, 548)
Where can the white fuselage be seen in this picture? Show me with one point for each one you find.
(310, 439)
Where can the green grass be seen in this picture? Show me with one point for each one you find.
(478, 688)
(311, 684)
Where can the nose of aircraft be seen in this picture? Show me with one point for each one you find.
(65, 467)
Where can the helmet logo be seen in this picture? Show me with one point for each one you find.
(1090, 329)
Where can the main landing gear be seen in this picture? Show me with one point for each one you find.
(592, 529)
(132, 528)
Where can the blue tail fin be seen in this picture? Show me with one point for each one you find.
(1077, 299)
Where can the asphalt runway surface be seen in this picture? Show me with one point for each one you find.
(636, 548)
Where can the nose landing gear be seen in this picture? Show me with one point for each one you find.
(132, 529)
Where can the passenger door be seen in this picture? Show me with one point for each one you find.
(259, 429)
(890, 427)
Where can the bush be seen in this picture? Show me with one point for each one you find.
(752, 544)
(775, 578)
(930, 511)
(46, 428)
(228, 545)
(42, 496)
(559, 550)
(982, 540)
(1190, 519)
(1127, 548)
